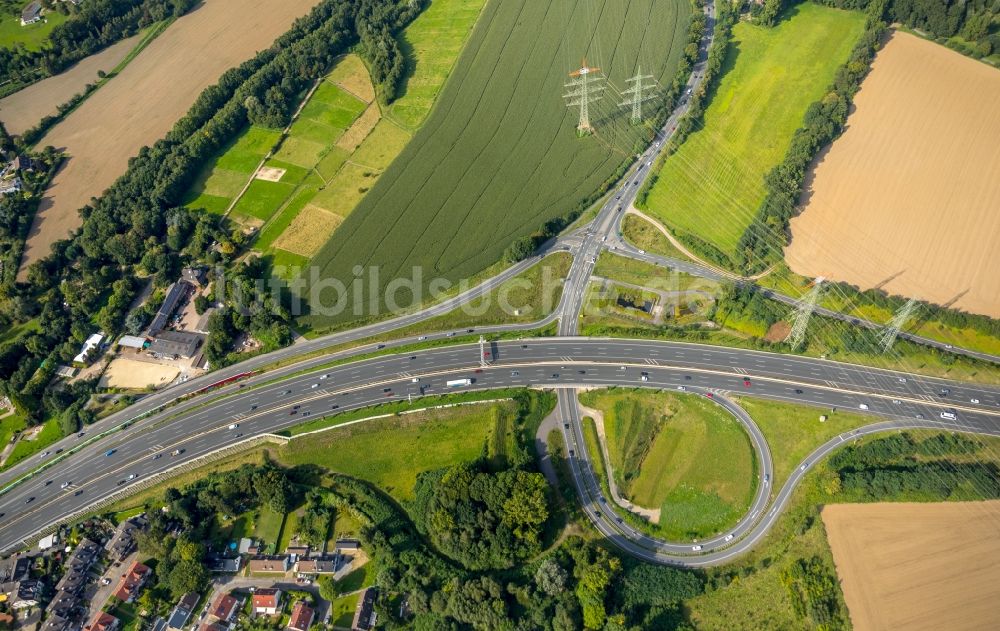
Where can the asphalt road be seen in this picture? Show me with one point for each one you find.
(543, 362)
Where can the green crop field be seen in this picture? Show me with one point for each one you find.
(714, 184)
(396, 449)
(682, 454)
(499, 154)
(224, 177)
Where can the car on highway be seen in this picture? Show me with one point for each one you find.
(48, 482)
(682, 388)
(81, 434)
(555, 375)
(78, 493)
(645, 377)
(415, 380)
(44, 453)
(862, 406)
(30, 500)
(315, 385)
(767, 479)
(973, 400)
(132, 476)
(710, 395)
(64, 485)
(728, 538)
(696, 548)
(944, 392)
(120, 482)
(746, 383)
(253, 407)
(157, 456)
(176, 452)
(233, 425)
(386, 389)
(110, 452)
(515, 373)
(897, 402)
(798, 391)
(422, 338)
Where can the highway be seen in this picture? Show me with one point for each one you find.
(126, 449)
(563, 363)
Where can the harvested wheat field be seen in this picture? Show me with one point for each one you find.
(909, 193)
(308, 231)
(142, 103)
(918, 566)
(132, 373)
(23, 109)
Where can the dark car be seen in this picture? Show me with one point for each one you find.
(30, 500)
(80, 492)
(386, 389)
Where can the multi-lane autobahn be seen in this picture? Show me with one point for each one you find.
(262, 406)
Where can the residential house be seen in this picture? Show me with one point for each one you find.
(225, 566)
(15, 568)
(310, 568)
(63, 604)
(103, 622)
(302, 617)
(182, 612)
(269, 565)
(299, 552)
(132, 582)
(348, 545)
(266, 602)
(22, 594)
(364, 615)
(123, 541)
(59, 623)
(224, 608)
(193, 275)
(22, 163)
(31, 13)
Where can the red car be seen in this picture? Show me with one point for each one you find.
(746, 383)
(709, 395)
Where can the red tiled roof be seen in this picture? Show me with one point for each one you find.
(223, 607)
(131, 581)
(302, 616)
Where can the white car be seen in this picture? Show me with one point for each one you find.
(132, 476)
(64, 485)
(234, 425)
(973, 400)
(415, 380)
(696, 548)
(324, 376)
(862, 406)
(896, 401)
(682, 388)
(422, 338)
(728, 538)
(645, 378)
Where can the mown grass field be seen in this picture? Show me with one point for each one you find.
(32, 36)
(680, 453)
(397, 449)
(714, 184)
(499, 154)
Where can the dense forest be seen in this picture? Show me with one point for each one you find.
(138, 229)
(93, 25)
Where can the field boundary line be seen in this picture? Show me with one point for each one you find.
(270, 153)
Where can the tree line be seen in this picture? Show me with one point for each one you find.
(138, 227)
(93, 25)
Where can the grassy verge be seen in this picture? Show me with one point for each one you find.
(770, 77)
(645, 236)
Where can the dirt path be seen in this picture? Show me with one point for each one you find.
(632, 210)
(651, 514)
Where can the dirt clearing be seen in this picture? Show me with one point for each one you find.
(270, 174)
(131, 373)
(918, 566)
(23, 109)
(910, 191)
(142, 103)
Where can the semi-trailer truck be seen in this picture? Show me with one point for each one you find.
(458, 383)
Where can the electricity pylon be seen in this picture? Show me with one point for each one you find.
(891, 331)
(805, 310)
(637, 96)
(585, 88)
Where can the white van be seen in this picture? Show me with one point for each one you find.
(948, 416)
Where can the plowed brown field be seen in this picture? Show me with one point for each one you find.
(918, 566)
(23, 109)
(910, 190)
(145, 100)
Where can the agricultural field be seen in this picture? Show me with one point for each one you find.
(23, 109)
(682, 454)
(31, 36)
(134, 109)
(398, 448)
(917, 566)
(714, 184)
(918, 217)
(499, 154)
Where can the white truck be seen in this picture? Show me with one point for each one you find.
(458, 383)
